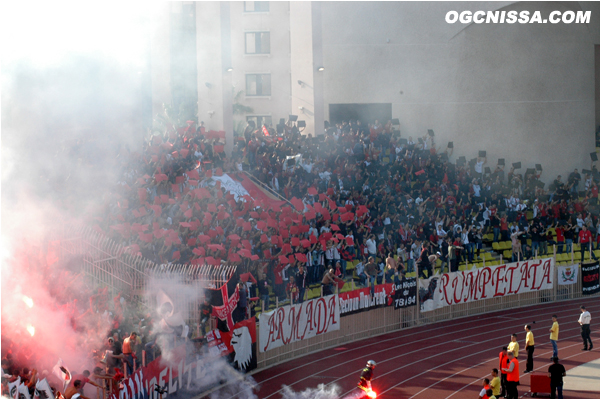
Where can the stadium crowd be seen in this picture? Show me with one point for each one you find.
(353, 193)
(113, 335)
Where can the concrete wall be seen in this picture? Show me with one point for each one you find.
(301, 62)
(277, 63)
(209, 64)
(160, 59)
(524, 92)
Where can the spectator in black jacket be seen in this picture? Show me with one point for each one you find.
(536, 239)
(301, 283)
(264, 286)
(206, 309)
(573, 181)
(240, 311)
(423, 263)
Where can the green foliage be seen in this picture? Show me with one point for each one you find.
(188, 111)
(239, 110)
(239, 127)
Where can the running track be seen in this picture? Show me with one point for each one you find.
(443, 360)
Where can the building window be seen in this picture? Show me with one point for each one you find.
(259, 120)
(256, 6)
(258, 85)
(257, 42)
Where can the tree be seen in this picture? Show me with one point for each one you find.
(239, 110)
(188, 111)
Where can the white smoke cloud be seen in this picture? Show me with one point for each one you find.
(183, 297)
(71, 81)
(67, 96)
(234, 384)
(322, 391)
(173, 301)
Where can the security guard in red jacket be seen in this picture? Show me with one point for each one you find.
(513, 376)
(503, 361)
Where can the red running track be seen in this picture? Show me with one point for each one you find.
(443, 360)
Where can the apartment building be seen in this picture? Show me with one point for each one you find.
(475, 84)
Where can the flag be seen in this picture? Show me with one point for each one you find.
(171, 322)
(23, 391)
(13, 388)
(165, 304)
(43, 390)
(239, 346)
(224, 300)
(62, 372)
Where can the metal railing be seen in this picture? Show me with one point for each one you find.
(265, 187)
(109, 264)
(386, 319)
(106, 263)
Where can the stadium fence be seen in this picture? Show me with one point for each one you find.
(106, 263)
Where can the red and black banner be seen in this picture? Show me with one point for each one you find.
(361, 299)
(239, 345)
(224, 301)
(590, 278)
(185, 375)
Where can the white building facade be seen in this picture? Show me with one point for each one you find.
(523, 92)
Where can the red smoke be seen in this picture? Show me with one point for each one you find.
(43, 315)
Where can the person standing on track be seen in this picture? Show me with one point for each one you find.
(585, 327)
(367, 374)
(514, 346)
(503, 361)
(556, 372)
(495, 383)
(530, 349)
(554, 337)
(513, 376)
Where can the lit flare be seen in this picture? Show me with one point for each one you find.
(31, 329)
(371, 394)
(28, 301)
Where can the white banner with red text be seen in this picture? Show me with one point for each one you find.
(486, 283)
(298, 322)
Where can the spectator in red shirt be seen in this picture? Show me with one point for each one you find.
(556, 210)
(584, 238)
(560, 239)
(504, 227)
(451, 200)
